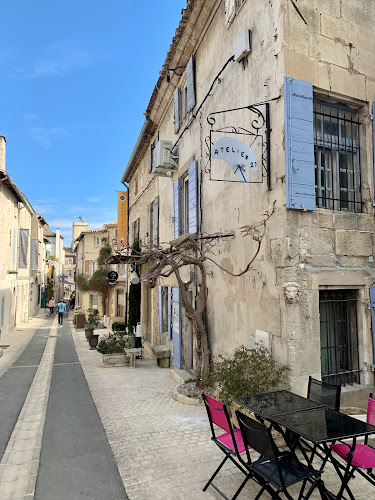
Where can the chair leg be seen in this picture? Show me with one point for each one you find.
(215, 473)
(241, 486)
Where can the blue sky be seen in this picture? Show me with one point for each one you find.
(75, 79)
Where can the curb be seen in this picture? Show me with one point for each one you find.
(180, 398)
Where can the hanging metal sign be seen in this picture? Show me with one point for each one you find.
(244, 147)
(237, 155)
(112, 276)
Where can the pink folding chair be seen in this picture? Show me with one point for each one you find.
(361, 456)
(230, 442)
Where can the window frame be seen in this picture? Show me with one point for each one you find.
(338, 311)
(337, 157)
(184, 204)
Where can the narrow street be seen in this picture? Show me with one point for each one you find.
(72, 429)
(44, 395)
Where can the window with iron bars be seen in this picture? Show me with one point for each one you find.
(339, 336)
(337, 157)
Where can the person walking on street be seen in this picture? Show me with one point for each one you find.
(61, 308)
(51, 305)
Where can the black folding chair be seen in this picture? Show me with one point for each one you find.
(326, 394)
(275, 471)
(230, 442)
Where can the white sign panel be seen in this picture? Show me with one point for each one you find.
(237, 154)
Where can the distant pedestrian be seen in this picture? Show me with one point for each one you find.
(51, 305)
(72, 302)
(61, 308)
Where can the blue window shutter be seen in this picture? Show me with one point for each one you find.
(193, 197)
(190, 85)
(169, 313)
(176, 327)
(160, 307)
(372, 307)
(176, 208)
(177, 109)
(299, 145)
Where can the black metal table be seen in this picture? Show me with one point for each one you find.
(311, 422)
(276, 403)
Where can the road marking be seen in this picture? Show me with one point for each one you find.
(20, 463)
(70, 363)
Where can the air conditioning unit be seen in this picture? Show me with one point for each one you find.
(163, 160)
(242, 45)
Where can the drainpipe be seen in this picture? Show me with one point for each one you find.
(127, 244)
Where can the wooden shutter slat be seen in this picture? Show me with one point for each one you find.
(176, 207)
(149, 224)
(299, 144)
(193, 197)
(160, 308)
(177, 109)
(150, 159)
(155, 222)
(190, 85)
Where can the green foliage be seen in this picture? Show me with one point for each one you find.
(104, 252)
(92, 319)
(112, 343)
(75, 312)
(118, 326)
(249, 371)
(82, 283)
(134, 315)
(49, 292)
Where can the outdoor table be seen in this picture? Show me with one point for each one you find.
(317, 424)
(275, 403)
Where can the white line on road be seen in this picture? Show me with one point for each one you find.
(20, 463)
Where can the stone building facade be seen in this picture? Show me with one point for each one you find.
(308, 293)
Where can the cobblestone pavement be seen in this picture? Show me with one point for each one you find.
(163, 448)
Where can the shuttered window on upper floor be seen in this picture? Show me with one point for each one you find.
(321, 152)
(185, 201)
(184, 100)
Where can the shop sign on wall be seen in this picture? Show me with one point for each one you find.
(237, 154)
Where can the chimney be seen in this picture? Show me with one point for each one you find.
(2, 153)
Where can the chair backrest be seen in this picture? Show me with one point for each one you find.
(258, 437)
(371, 411)
(217, 414)
(325, 394)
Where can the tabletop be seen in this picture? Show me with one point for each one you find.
(275, 403)
(322, 425)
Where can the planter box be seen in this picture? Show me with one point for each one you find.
(80, 321)
(118, 359)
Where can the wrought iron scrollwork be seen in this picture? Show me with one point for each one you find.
(259, 130)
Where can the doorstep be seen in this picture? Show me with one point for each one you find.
(179, 376)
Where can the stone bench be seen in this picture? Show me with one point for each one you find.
(162, 355)
(132, 353)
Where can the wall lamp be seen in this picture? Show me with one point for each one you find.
(174, 71)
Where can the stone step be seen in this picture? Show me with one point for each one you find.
(179, 376)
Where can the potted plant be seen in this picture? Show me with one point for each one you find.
(112, 346)
(79, 318)
(91, 322)
(118, 326)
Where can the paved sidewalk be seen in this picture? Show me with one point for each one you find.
(163, 448)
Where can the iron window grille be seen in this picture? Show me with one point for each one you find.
(337, 158)
(339, 336)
